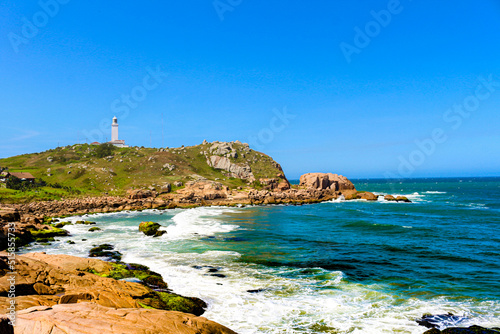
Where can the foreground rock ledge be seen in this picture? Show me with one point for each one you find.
(92, 318)
(68, 294)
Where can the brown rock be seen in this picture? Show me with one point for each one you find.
(280, 183)
(92, 318)
(350, 194)
(403, 199)
(389, 198)
(330, 181)
(9, 215)
(195, 191)
(43, 289)
(270, 200)
(140, 193)
(166, 188)
(40, 273)
(368, 196)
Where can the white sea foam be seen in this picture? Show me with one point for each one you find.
(292, 303)
(477, 206)
(339, 199)
(435, 192)
(197, 222)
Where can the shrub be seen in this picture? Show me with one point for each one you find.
(104, 150)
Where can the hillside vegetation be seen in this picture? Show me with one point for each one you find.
(93, 170)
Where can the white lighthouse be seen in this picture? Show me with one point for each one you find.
(114, 134)
(114, 129)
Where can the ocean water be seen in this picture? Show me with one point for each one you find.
(333, 267)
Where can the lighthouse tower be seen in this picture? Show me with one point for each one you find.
(114, 134)
(114, 129)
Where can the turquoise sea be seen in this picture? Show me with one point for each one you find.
(333, 267)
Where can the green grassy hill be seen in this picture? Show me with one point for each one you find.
(80, 170)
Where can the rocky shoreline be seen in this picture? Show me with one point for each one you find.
(33, 221)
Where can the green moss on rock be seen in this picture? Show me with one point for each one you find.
(44, 240)
(148, 277)
(173, 302)
(150, 229)
(53, 232)
(105, 250)
(85, 222)
(159, 296)
(62, 224)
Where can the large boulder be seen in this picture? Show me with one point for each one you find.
(92, 318)
(329, 181)
(151, 229)
(366, 195)
(403, 199)
(141, 193)
(389, 198)
(166, 188)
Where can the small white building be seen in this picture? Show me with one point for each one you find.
(114, 134)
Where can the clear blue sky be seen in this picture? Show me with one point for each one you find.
(227, 70)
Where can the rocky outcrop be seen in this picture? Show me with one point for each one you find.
(238, 171)
(141, 193)
(278, 183)
(329, 181)
(222, 148)
(45, 281)
(92, 318)
(25, 231)
(203, 190)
